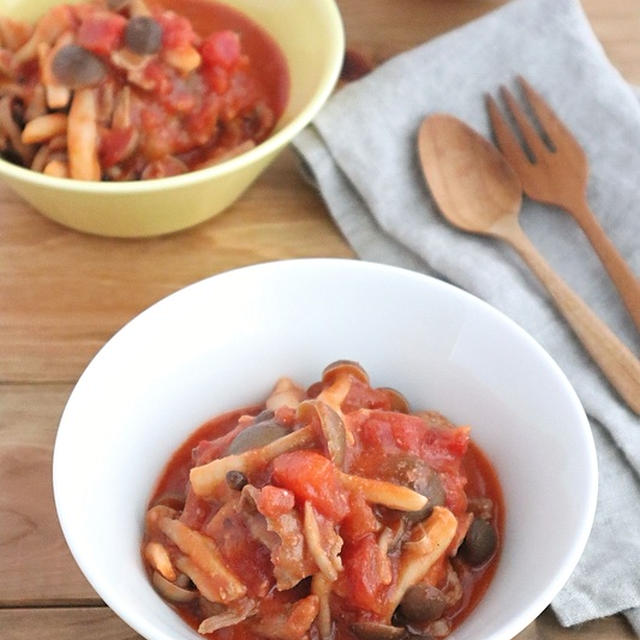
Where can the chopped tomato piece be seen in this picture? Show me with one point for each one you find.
(362, 396)
(274, 501)
(116, 144)
(312, 477)
(196, 510)
(437, 572)
(217, 78)
(302, 616)
(180, 100)
(177, 31)
(157, 75)
(360, 520)
(158, 140)
(249, 559)
(440, 446)
(221, 48)
(408, 431)
(373, 430)
(365, 567)
(454, 490)
(287, 621)
(101, 32)
(203, 122)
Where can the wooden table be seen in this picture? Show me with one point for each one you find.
(63, 294)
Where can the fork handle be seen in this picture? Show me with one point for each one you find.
(625, 281)
(617, 363)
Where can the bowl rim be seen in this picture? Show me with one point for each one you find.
(518, 621)
(328, 79)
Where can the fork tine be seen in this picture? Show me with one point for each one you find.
(507, 141)
(555, 129)
(529, 133)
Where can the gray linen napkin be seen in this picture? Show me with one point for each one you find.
(361, 153)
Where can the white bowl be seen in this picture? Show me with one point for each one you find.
(221, 343)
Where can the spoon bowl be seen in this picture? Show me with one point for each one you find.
(469, 179)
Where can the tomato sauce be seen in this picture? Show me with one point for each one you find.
(306, 475)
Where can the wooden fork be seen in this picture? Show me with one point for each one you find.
(557, 174)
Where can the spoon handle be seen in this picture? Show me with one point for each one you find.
(619, 271)
(619, 365)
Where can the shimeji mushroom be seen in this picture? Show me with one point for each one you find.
(337, 378)
(257, 435)
(321, 587)
(339, 368)
(243, 610)
(157, 556)
(385, 493)
(331, 428)
(171, 591)
(323, 542)
(378, 631)
(429, 540)
(286, 393)
(206, 478)
(203, 563)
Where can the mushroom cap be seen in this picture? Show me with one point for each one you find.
(341, 367)
(331, 428)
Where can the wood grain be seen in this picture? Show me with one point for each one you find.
(53, 624)
(617, 25)
(63, 294)
(100, 623)
(376, 29)
(35, 563)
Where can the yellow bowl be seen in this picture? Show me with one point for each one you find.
(311, 36)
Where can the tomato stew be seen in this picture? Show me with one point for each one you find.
(331, 512)
(136, 89)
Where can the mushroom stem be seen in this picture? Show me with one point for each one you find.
(429, 541)
(228, 618)
(285, 394)
(157, 556)
(378, 631)
(321, 587)
(332, 428)
(202, 551)
(206, 478)
(318, 546)
(385, 493)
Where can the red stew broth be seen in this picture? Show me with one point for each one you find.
(482, 481)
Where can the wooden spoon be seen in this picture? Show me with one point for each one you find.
(477, 191)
